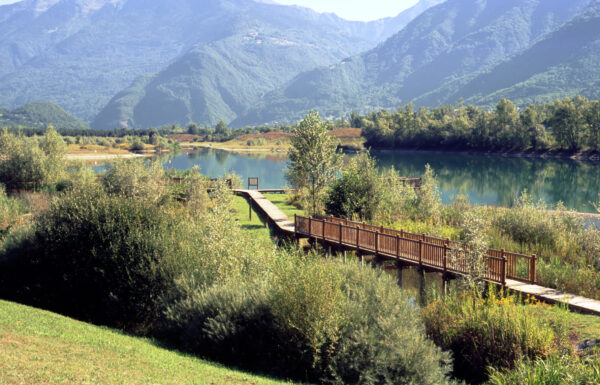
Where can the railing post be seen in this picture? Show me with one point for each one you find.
(401, 233)
(503, 256)
(503, 270)
(532, 277)
(420, 252)
(357, 237)
(377, 242)
(340, 233)
(310, 227)
(445, 260)
(323, 235)
(397, 246)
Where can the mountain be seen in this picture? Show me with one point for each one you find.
(566, 62)
(80, 53)
(224, 78)
(428, 62)
(39, 115)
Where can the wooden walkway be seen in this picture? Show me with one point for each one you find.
(283, 224)
(411, 249)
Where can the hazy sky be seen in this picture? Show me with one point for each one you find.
(348, 9)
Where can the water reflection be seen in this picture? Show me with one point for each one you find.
(489, 180)
(496, 180)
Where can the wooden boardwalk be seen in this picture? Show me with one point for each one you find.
(283, 224)
(428, 253)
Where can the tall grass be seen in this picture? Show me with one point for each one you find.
(493, 331)
(555, 370)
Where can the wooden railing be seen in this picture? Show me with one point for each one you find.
(426, 251)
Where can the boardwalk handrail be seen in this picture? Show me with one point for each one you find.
(427, 251)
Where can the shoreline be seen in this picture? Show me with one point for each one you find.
(103, 156)
(579, 156)
(260, 150)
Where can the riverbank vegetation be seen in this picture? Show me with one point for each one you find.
(570, 125)
(155, 254)
(158, 256)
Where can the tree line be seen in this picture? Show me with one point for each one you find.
(570, 124)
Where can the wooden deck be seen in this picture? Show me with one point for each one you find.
(426, 252)
(267, 208)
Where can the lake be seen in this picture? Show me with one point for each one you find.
(485, 180)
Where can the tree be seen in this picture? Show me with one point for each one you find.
(355, 194)
(567, 123)
(221, 128)
(29, 163)
(314, 160)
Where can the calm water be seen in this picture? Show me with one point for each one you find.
(489, 180)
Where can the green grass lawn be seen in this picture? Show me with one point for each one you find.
(256, 226)
(38, 347)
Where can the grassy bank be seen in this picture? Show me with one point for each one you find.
(37, 346)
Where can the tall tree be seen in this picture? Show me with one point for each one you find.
(314, 161)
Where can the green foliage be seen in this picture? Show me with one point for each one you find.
(567, 124)
(134, 178)
(311, 319)
(432, 63)
(137, 145)
(356, 193)
(40, 115)
(10, 210)
(31, 163)
(561, 370)
(94, 256)
(313, 160)
(487, 332)
(530, 223)
(472, 256)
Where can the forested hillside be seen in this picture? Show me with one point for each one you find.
(40, 115)
(81, 53)
(223, 79)
(428, 62)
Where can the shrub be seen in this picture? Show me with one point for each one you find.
(563, 370)
(108, 259)
(355, 194)
(135, 179)
(256, 142)
(483, 332)
(137, 145)
(10, 210)
(31, 163)
(396, 199)
(428, 203)
(312, 320)
(530, 223)
(194, 192)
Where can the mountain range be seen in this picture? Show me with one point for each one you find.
(141, 63)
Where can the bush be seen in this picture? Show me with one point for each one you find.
(31, 163)
(311, 320)
(108, 259)
(135, 179)
(137, 145)
(563, 370)
(10, 210)
(355, 194)
(489, 332)
(256, 142)
(530, 223)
